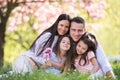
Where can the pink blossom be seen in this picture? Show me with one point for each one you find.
(3, 3)
(45, 12)
(12, 28)
(35, 26)
(26, 18)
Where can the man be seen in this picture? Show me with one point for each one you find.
(77, 29)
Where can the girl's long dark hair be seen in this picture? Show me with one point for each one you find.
(53, 31)
(90, 40)
(69, 56)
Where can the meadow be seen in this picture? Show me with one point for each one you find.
(41, 75)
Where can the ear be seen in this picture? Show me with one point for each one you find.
(85, 30)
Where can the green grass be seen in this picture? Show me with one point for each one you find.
(38, 75)
(41, 75)
(116, 69)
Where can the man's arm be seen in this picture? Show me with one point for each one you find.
(103, 62)
(102, 59)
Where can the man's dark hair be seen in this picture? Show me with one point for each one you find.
(78, 20)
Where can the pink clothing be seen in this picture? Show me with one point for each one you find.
(88, 67)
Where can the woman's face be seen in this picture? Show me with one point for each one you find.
(63, 27)
(81, 47)
(65, 44)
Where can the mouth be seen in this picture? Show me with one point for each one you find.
(65, 46)
(76, 39)
(62, 33)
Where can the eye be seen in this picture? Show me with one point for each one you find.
(63, 42)
(66, 26)
(61, 25)
(73, 29)
(68, 42)
(80, 31)
(84, 49)
(78, 45)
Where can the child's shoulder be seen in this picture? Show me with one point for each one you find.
(53, 54)
(91, 54)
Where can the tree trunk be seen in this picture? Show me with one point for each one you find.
(2, 42)
(4, 16)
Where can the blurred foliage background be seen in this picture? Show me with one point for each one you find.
(109, 34)
(107, 31)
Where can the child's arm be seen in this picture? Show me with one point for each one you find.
(95, 64)
(56, 65)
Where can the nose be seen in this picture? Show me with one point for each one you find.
(80, 48)
(76, 33)
(63, 28)
(65, 43)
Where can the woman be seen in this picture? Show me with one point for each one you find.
(29, 61)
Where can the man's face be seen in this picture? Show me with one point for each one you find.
(76, 31)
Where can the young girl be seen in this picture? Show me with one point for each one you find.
(55, 60)
(84, 58)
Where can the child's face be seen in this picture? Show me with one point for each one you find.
(65, 44)
(81, 47)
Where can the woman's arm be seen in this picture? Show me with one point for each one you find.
(41, 41)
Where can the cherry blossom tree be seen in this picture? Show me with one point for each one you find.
(14, 13)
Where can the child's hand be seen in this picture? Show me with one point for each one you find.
(48, 63)
(47, 53)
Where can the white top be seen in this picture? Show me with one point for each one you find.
(39, 43)
(102, 59)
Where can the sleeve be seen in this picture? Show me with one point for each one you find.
(41, 41)
(102, 59)
(91, 55)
